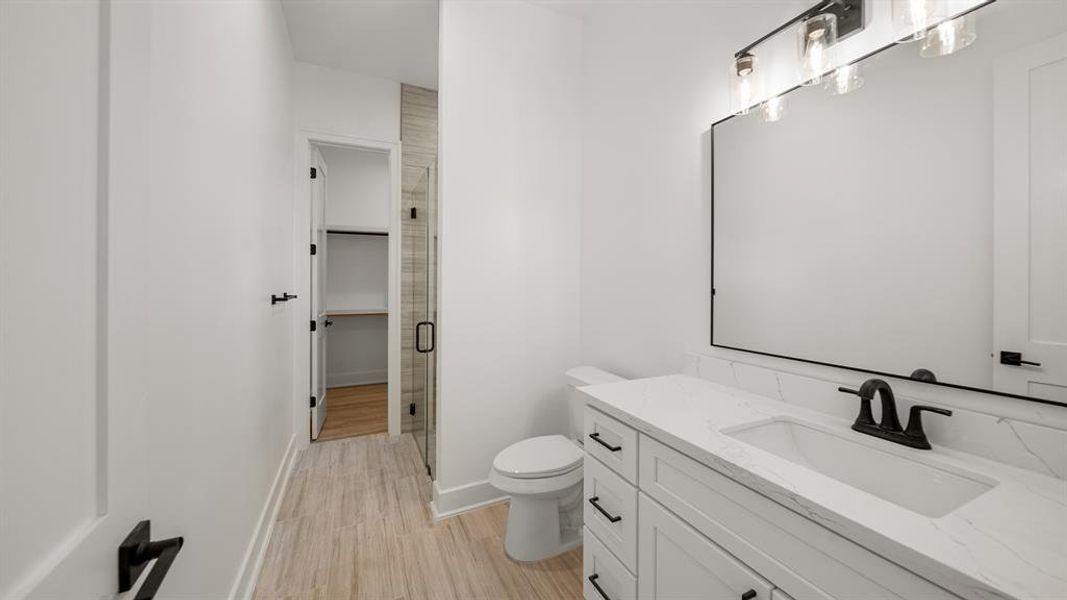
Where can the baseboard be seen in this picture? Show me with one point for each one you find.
(357, 378)
(464, 498)
(245, 583)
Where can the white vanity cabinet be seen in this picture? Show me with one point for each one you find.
(677, 562)
(687, 531)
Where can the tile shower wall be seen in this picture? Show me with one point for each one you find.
(1034, 437)
(418, 135)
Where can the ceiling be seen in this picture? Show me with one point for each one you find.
(392, 39)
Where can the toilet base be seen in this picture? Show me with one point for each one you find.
(533, 529)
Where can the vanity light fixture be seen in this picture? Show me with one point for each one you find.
(821, 26)
(744, 84)
(815, 39)
(912, 18)
(844, 79)
(773, 109)
(949, 37)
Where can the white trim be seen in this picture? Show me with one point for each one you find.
(252, 563)
(304, 139)
(464, 498)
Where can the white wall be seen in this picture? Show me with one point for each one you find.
(345, 103)
(357, 277)
(510, 194)
(357, 188)
(655, 78)
(220, 157)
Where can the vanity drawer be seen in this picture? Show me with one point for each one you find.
(677, 562)
(615, 521)
(773, 540)
(613, 443)
(601, 569)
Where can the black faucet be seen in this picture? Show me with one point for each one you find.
(889, 428)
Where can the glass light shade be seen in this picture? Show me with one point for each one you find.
(911, 18)
(844, 79)
(745, 85)
(815, 39)
(772, 110)
(949, 36)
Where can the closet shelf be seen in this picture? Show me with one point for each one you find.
(355, 312)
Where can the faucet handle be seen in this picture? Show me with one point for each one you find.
(866, 417)
(915, 424)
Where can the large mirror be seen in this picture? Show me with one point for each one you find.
(914, 227)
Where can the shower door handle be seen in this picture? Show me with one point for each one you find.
(418, 337)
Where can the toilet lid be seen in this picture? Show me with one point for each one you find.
(539, 457)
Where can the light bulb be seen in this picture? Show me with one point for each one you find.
(815, 38)
(844, 79)
(948, 37)
(773, 109)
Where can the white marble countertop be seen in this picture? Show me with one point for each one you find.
(1010, 542)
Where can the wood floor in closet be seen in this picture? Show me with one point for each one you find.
(356, 410)
(355, 523)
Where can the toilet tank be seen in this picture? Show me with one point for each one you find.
(579, 377)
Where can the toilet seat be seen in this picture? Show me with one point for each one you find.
(539, 458)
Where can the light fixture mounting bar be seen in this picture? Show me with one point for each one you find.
(849, 20)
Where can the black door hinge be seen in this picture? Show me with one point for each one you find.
(413, 212)
(314, 325)
(314, 172)
(314, 249)
(411, 409)
(314, 402)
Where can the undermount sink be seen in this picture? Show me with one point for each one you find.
(927, 489)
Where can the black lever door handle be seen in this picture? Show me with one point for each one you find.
(136, 551)
(285, 297)
(596, 438)
(328, 323)
(749, 595)
(1015, 359)
(595, 501)
(599, 590)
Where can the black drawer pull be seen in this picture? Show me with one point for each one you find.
(596, 438)
(1015, 359)
(600, 590)
(596, 504)
(749, 595)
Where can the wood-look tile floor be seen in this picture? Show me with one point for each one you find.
(355, 410)
(355, 523)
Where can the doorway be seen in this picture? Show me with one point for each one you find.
(352, 358)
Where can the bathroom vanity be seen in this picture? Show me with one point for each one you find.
(697, 490)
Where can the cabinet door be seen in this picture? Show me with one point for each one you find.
(676, 562)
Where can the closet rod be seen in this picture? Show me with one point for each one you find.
(341, 232)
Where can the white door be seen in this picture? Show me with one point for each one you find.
(318, 294)
(1030, 221)
(73, 449)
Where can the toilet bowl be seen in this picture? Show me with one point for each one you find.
(543, 475)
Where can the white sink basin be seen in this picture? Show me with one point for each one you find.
(925, 488)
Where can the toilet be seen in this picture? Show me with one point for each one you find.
(543, 475)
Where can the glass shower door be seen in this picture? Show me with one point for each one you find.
(423, 261)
